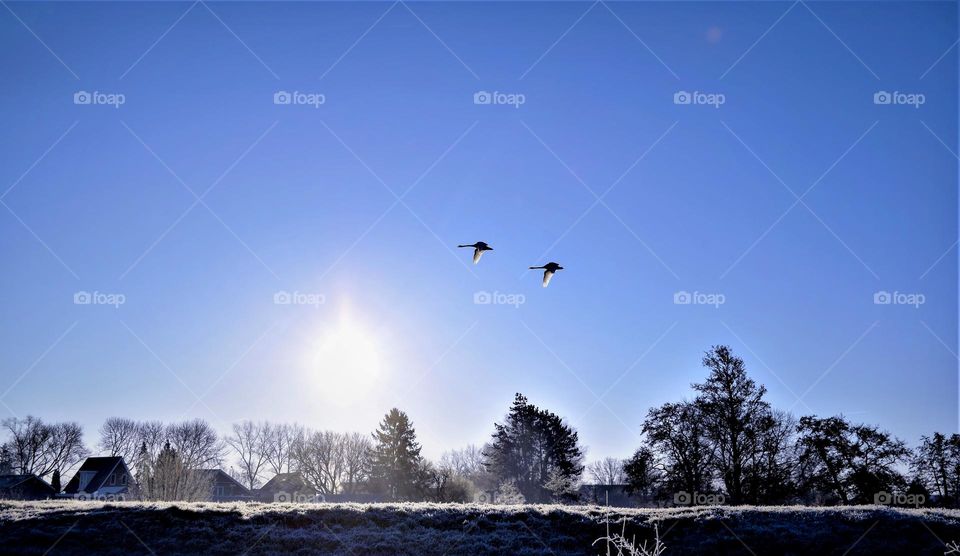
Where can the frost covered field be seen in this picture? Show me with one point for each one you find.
(68, 527)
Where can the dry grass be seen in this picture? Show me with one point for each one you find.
(381, 529)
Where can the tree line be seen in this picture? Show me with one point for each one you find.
(728, 441)
(726, 444)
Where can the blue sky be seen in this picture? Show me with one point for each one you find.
(304, 199)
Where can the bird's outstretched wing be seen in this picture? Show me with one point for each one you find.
(547, 275)
(476, 255)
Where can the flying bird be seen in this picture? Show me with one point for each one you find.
(548, 271)
(478, 249)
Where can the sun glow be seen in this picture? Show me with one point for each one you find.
(346, 362)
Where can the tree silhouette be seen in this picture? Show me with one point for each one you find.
(936, 466)
(849, 463)
(6, 460)
(395, 460)
(734, 416)
(675, 432)
(642, 475)
(537, 450)
(55, 481)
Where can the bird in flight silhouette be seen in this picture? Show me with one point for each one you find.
(548, 271)
(478, 249)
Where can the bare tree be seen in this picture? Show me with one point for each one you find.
(280, 441)
(153, 434)
(120, 437)
(356, 456)
(608, 471)
(333, 462)
(466, 462)
(170, 478)
(40, 448)
(442, 483)
(27, 444)
(251, 443)
(66, 449)
(333, 457)
(196, 443)
(172, 457)
(320, 458)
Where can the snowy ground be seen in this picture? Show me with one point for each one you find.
(69, 527)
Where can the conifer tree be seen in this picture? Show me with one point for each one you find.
(395, 459)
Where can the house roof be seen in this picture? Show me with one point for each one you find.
(285, 481)
(221, 476)
(25, 486)
(102, 466)
(13, 481)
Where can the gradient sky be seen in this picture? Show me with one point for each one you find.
(304, 199)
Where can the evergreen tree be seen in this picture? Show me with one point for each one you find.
(168, 477)
(165, 479)
(917, 489)
(396, 465)
(534, 448)
(142, 469)
(643, 476)
(563, 488)
(508, 494)
(55, 481)
(6, 460)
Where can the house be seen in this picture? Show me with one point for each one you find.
(287, 487)
(25, 487)
(102, 478)
(224, 488)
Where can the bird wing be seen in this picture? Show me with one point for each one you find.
(547, 275)
(476, 255)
